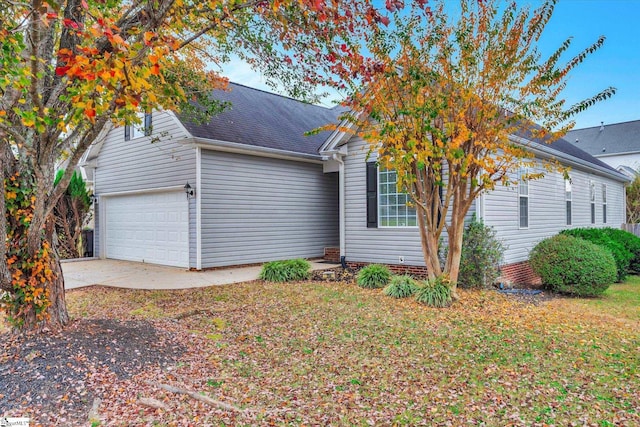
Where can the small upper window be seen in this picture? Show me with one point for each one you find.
(523, 198)
(138, 130)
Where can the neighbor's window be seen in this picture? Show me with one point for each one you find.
(138, 130)
(604, 203)
(523, 198)
(592, 197)
(392, 205)
(568, 199)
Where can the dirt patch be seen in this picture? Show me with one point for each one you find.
(53, 373)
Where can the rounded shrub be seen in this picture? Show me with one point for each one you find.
(573, 266)
(373, 276)
(597, 236)
(435, 293)
(401, 287)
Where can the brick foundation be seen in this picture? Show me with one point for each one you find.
(519, 273)
(332, 254)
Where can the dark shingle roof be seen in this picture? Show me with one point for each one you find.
(614, 138)
(262, 119)
(565, 147)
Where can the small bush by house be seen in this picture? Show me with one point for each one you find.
(374, 276)
(597, 236)
(401, 287)
(573, 266)
(435, 293)
(481, 256)
(285, 271)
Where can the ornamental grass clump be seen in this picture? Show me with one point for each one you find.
(401, 287)
(435, 293)
(374, 276)
(573, 266)
(285, 271)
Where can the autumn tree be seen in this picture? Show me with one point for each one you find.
(443, 102)
(633, 201)
(70, 69)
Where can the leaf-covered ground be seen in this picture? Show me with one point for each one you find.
(335, 354)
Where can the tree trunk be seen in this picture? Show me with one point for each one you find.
(56, 315)
(452, 266)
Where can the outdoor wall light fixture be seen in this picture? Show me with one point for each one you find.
(190, 191)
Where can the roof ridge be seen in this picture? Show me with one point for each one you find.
(605, 125)
(280, 95)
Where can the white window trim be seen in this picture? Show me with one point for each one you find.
(568, 201)
(592, 201)
(138, 130)
(379, 194)
(523, 184)
(604, 203)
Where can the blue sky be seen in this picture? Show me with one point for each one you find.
(616, 64)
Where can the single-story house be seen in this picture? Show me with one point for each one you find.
(259, 190)
(616, 144)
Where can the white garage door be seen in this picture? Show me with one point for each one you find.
(150, 228)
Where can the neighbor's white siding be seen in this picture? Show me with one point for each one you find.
(257, 209)
(140, 164)
(631, 160)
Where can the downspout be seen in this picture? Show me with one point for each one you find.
(341, 201)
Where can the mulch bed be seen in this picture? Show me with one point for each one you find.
(52, 374)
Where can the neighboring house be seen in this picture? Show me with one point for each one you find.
(617, 144)
(379, 227)
(263, 191)
(258, 190)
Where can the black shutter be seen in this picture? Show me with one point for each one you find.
(127, 133)
(147, 124)
(372, 195)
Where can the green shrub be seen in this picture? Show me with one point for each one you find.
(374, 276)
(620, 254)
(573, 266)
(401, 287)
(435, 293)
(285, 271)
(630, 241)
(481, 256)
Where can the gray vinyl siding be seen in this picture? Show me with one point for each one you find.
(547, 214)
(547, 210)
(375, 245)
(142, 164)
(257, 209)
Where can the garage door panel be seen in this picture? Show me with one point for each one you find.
(152, 228)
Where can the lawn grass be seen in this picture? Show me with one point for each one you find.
(336, 354)
(325, 353)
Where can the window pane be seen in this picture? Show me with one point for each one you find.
(392, 205)
(593, 213)
(524, 212)
(604, 214)
(568, 212)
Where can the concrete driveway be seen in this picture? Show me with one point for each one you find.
(137, 275)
